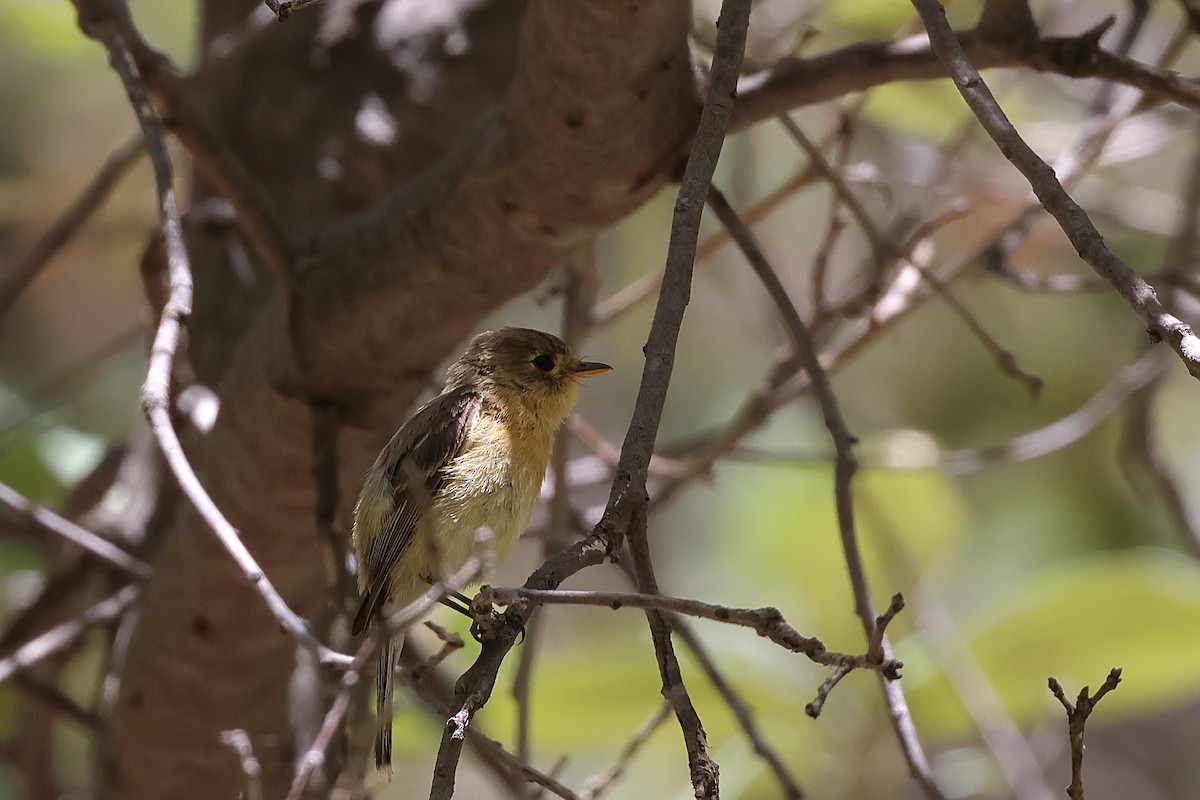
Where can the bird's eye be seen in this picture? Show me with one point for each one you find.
(544, 362)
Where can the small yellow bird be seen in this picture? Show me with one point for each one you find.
(471, 457)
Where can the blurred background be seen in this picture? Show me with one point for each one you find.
(1027, 533)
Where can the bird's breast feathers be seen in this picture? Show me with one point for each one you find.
(494, 482)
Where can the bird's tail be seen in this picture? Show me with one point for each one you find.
(383, 704)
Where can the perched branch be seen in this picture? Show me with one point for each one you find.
(1077, 716)
(766, 622)
(1161, 325)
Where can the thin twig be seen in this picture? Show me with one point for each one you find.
(394, 624)
(62, 636)
(1140, 441)
(511, 771)
(598, 784)
(1077, 716)
(628, 297)
(875, 237)
(55, 699)
(1161, 325)
(845, 466)
(817, 704)
(239, 742)
(1006, 362)
(1067, 430)
(118, 163)
(101, 548)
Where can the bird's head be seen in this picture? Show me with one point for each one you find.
(530, 371)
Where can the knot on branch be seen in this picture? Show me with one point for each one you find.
(1075, 56)
(491, 625)
(874, 659)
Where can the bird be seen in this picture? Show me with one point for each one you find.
(473, 456)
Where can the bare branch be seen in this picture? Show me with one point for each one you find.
(109, 24)
(598, 784)
(101, 548)
(792, 83)
(1074, 221)
(239, 742)
(1064, 431)
(1077, 716)
(1006, 362)
(57, 701)
(845, 466)
(766, 622)
(118, 163)
(367, 652)
(817, 705)
(62, 636)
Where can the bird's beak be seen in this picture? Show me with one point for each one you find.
(583, 369)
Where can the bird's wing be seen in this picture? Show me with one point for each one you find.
(420, 452)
